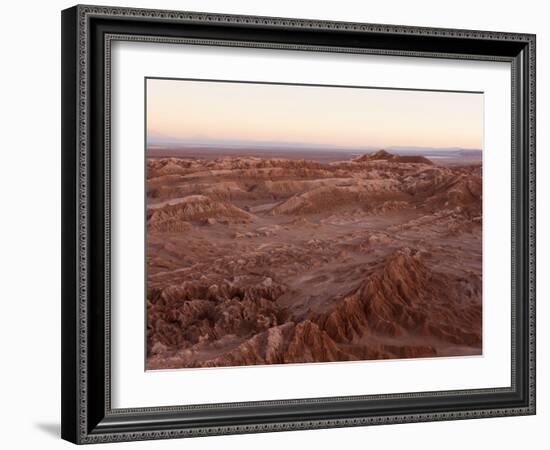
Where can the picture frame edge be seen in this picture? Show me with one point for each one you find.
(76, 223)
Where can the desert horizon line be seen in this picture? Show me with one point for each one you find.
(163, 144)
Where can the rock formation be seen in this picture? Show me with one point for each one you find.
(273, 261)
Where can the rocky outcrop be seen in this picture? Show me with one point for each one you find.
(165, 217)
(402, 297)
(383, 155)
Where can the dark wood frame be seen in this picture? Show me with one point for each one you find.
(87, 31)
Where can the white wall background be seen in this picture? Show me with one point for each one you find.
(30, 222)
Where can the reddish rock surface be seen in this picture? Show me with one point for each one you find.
(272, 261)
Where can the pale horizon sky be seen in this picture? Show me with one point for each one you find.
(185, 110)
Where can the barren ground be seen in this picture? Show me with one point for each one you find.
(271, 261)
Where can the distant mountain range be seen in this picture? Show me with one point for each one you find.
(155, 143)
(434, 151)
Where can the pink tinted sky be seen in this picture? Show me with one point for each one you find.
(182, 110)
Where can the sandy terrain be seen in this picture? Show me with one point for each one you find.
(271, 261)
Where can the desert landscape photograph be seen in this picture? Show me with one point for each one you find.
(292, 223)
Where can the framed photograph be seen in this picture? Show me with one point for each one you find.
(277, 224)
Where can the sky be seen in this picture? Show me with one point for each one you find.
(185, 111)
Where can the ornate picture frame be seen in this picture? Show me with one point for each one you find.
(88, 415)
